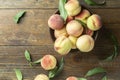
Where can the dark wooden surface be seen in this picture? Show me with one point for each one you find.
(33, 34)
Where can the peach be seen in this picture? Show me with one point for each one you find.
(61, 32)
(72, 78)
(48, 62)
(69, 18)
(82, 16)
(73, 41)
(94, 22)
(56, 22)
(74, 28)
(41, 77)
(73, 7)
(85, 43)
(62, 45)
(88, 31)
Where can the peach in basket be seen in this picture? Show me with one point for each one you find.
(79, 31)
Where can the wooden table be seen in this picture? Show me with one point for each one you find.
(32, 34)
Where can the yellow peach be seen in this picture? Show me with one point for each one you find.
(73, 7)
(41, 77)
(73, 41)
(72, 78)
(48, 62)
(74, 28)
(85, 43)
(62, 45)
(56, 22)
(94, 22)
(61, 32)
(83, 15)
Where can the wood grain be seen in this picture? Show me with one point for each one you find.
(34, 30)
(46, 4)
(33, 34)
(81, 62)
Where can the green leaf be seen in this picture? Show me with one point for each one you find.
(104, 78)
(81, 22)
(110, 58)
(115, 41)
(61, 65)
(95, 71)
(31, 64)
(93, 3)
(18, 74)
(116, 51)
(52, 72)
(57, 70)
(18, 16)
(113, 55)
(63, 12)
(37, 62)
(27, 56)
(82, 79)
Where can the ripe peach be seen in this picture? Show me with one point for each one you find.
(94, 22)
(73, 41)
(72, 78)
(88, 31)
(82, 16)
(48, 62)
(41, 77)
(56, 22)
(85, 43)
(61, 32)
(72, 7)
(62, 45)
(69, 18)
(74, 28)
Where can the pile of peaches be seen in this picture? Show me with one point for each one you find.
(71, 33)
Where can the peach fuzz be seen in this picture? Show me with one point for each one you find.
(72, 78)
(73, 7)
(85, 43)
(83, 15)
(41, 77)
(62, 45)
(56, 22)
(61, 32)
(48, 62)
(74, 28)
(73, 41)
(94, 22)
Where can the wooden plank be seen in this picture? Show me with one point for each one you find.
(33, 34)
(33, 29)
(13, 57)
(108, 15)
(28, 3)
(49, 4)
(41, 16)
(109, 4)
